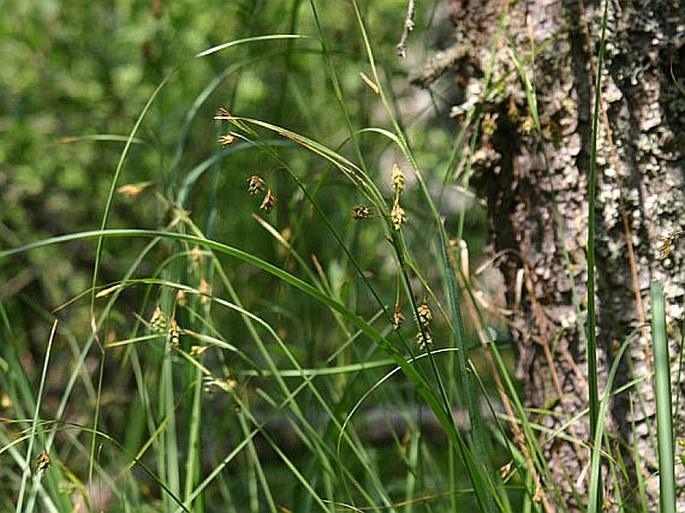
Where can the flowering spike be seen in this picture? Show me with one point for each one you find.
(361, 212)
(255, 184)
(158, 322)
(424, 339)
(397, 215)
(227, 140)
(397, 178)
(223, 114)
(269, 201)
(132, 190)
(174, 335)
(425, 315)
(43, 461)
(397, 318)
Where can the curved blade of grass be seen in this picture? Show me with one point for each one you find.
(268, 37)
(296, 282)
(96, 137)
(422, 386)
(115, 180)
(380, 382)
(217, 246)
(349, 169)
(135, 460)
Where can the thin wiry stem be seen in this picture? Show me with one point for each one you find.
(408, 27)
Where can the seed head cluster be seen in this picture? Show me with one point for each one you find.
(361, 212)
(268, 202)
(227, 140)
(397, 318)
(667, 242)
(158, 321)
(397, 215)
(424, 316)
(256, 185)
(162, 324)
(397, 178)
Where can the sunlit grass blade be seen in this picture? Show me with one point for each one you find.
(268, 37)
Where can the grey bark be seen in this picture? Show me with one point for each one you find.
(535, 184)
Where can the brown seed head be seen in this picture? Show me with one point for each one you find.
(198, 350)
(227, 140)
(43, 461)
(174, 335)
(205, 290)
(255, 184)
(397, 215)
(397, 318)
(268, 202)
(397, 178)
(361, 212)
(158, 321)
(133, 189)
(423, 340)
(425, 314)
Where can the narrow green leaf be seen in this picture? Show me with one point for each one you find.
(664, 415)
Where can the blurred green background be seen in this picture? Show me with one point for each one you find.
(76, 76)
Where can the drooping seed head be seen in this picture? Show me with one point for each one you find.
(397, 215)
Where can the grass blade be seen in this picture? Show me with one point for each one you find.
(591, 312)
(34, 424)
(268, 37)
(662, 382)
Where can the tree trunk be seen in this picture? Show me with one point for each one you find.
(536, 186)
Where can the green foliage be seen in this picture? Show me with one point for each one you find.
(225, 223)
(148, 419)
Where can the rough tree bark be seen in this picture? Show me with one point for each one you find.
(535, 184)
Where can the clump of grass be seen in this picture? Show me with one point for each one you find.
(181, 351)
(254, 349)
